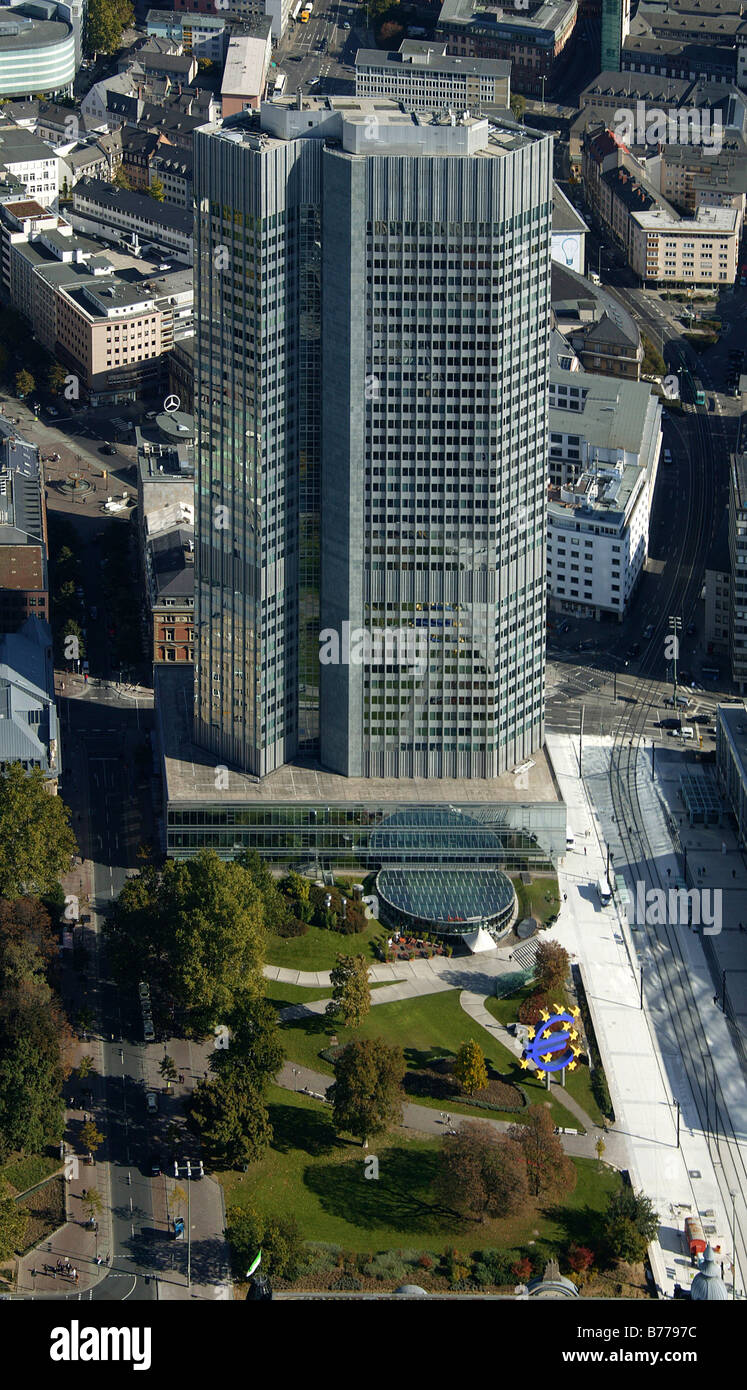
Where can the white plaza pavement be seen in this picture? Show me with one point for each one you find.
(641, 1058)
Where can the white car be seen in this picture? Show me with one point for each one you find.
(151, 1102)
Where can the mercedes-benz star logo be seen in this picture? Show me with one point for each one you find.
(171, 404)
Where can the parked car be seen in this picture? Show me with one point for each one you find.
(107, 449)
(151, 1102)
(681, 702)
(648, 632)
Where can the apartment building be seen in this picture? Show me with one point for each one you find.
(605, 439)
(427, 78)
(169, 554)
(204, 35)
(701, 250)
(533, 38)
(30, 160)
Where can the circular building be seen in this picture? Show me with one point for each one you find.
(37, 55)
(452, 901)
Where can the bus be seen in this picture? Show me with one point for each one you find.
(280, 81)
(603, 889)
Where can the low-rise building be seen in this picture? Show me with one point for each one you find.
(596, 325)
(426, 77)
(568, 232)
(29, 160)
(24, 582)
(718, 591)
(245, 73)
(701, 250)
(605, 439)
(29, 728)
(169, 581)
(173, 169)
(116, 214)
(203, 35)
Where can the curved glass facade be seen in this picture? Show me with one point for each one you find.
(446, 899)
(46, 68)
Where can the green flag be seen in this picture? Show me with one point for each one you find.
(255, 1264)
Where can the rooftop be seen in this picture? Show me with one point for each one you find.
(106, 195)
(243, 74)
(21, 566)
(552, 16)
(190, 771)
(19, 32)
(615, 412)
(565, 218)
(705, 220)
(432, 56)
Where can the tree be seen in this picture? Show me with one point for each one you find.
(36, 842)
(104, 24)
(522, 1269)
(299, 890)
(653, 362)
(155, 189)
(90, 1137)
(86, 1067)
(168, 1069)
(121, 180)
(630, 1224)
(600, 1147)
(518, 105)
(551, 967)
(25, 384)
(278, 1237)
(351, 992)
(56, 378)
(481, 1173)
(31, 1107)
(367, 1090)
(196, 929)
(92, 1203)
(256, 1050)
(13, 1223)
(580, 1259)
(230, 1120)
(469, 1067)
(548, 1169)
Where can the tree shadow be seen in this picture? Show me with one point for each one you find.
(582, 1225)
(401, 1198)
(296, 1127)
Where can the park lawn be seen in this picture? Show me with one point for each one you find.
(578, 1082)
(426, 1027)
(23, 1171)
(540, 898)
(318, 948)
(310, 1171)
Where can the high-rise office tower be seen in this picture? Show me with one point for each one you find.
(615, 30)
(371, 389)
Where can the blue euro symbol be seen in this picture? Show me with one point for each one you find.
(559, 1044)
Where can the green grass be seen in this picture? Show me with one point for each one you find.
(577, 1083)
(23, 1172)
(282, 995)
(310, 1171)
(430, 1026)
(318, 948)
(540, 898)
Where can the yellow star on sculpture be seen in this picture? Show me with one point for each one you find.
(544, 1014)
(524, 1063)
(540, 1071)
(558, 1008)
(547, 1033)
(547, 1057)
(576, 1051)
(573, 1035)
(572, 1066)
(575, 1011)
(530, 1034)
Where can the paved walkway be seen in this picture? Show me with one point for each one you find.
(641, 1055)
(424, 1120)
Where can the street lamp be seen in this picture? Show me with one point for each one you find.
(675, 625)
(678, 1122)
(187, 1167)
(625, 667)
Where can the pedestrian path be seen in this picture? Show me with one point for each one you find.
(424, 1120)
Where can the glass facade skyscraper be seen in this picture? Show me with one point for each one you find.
(371, 393)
